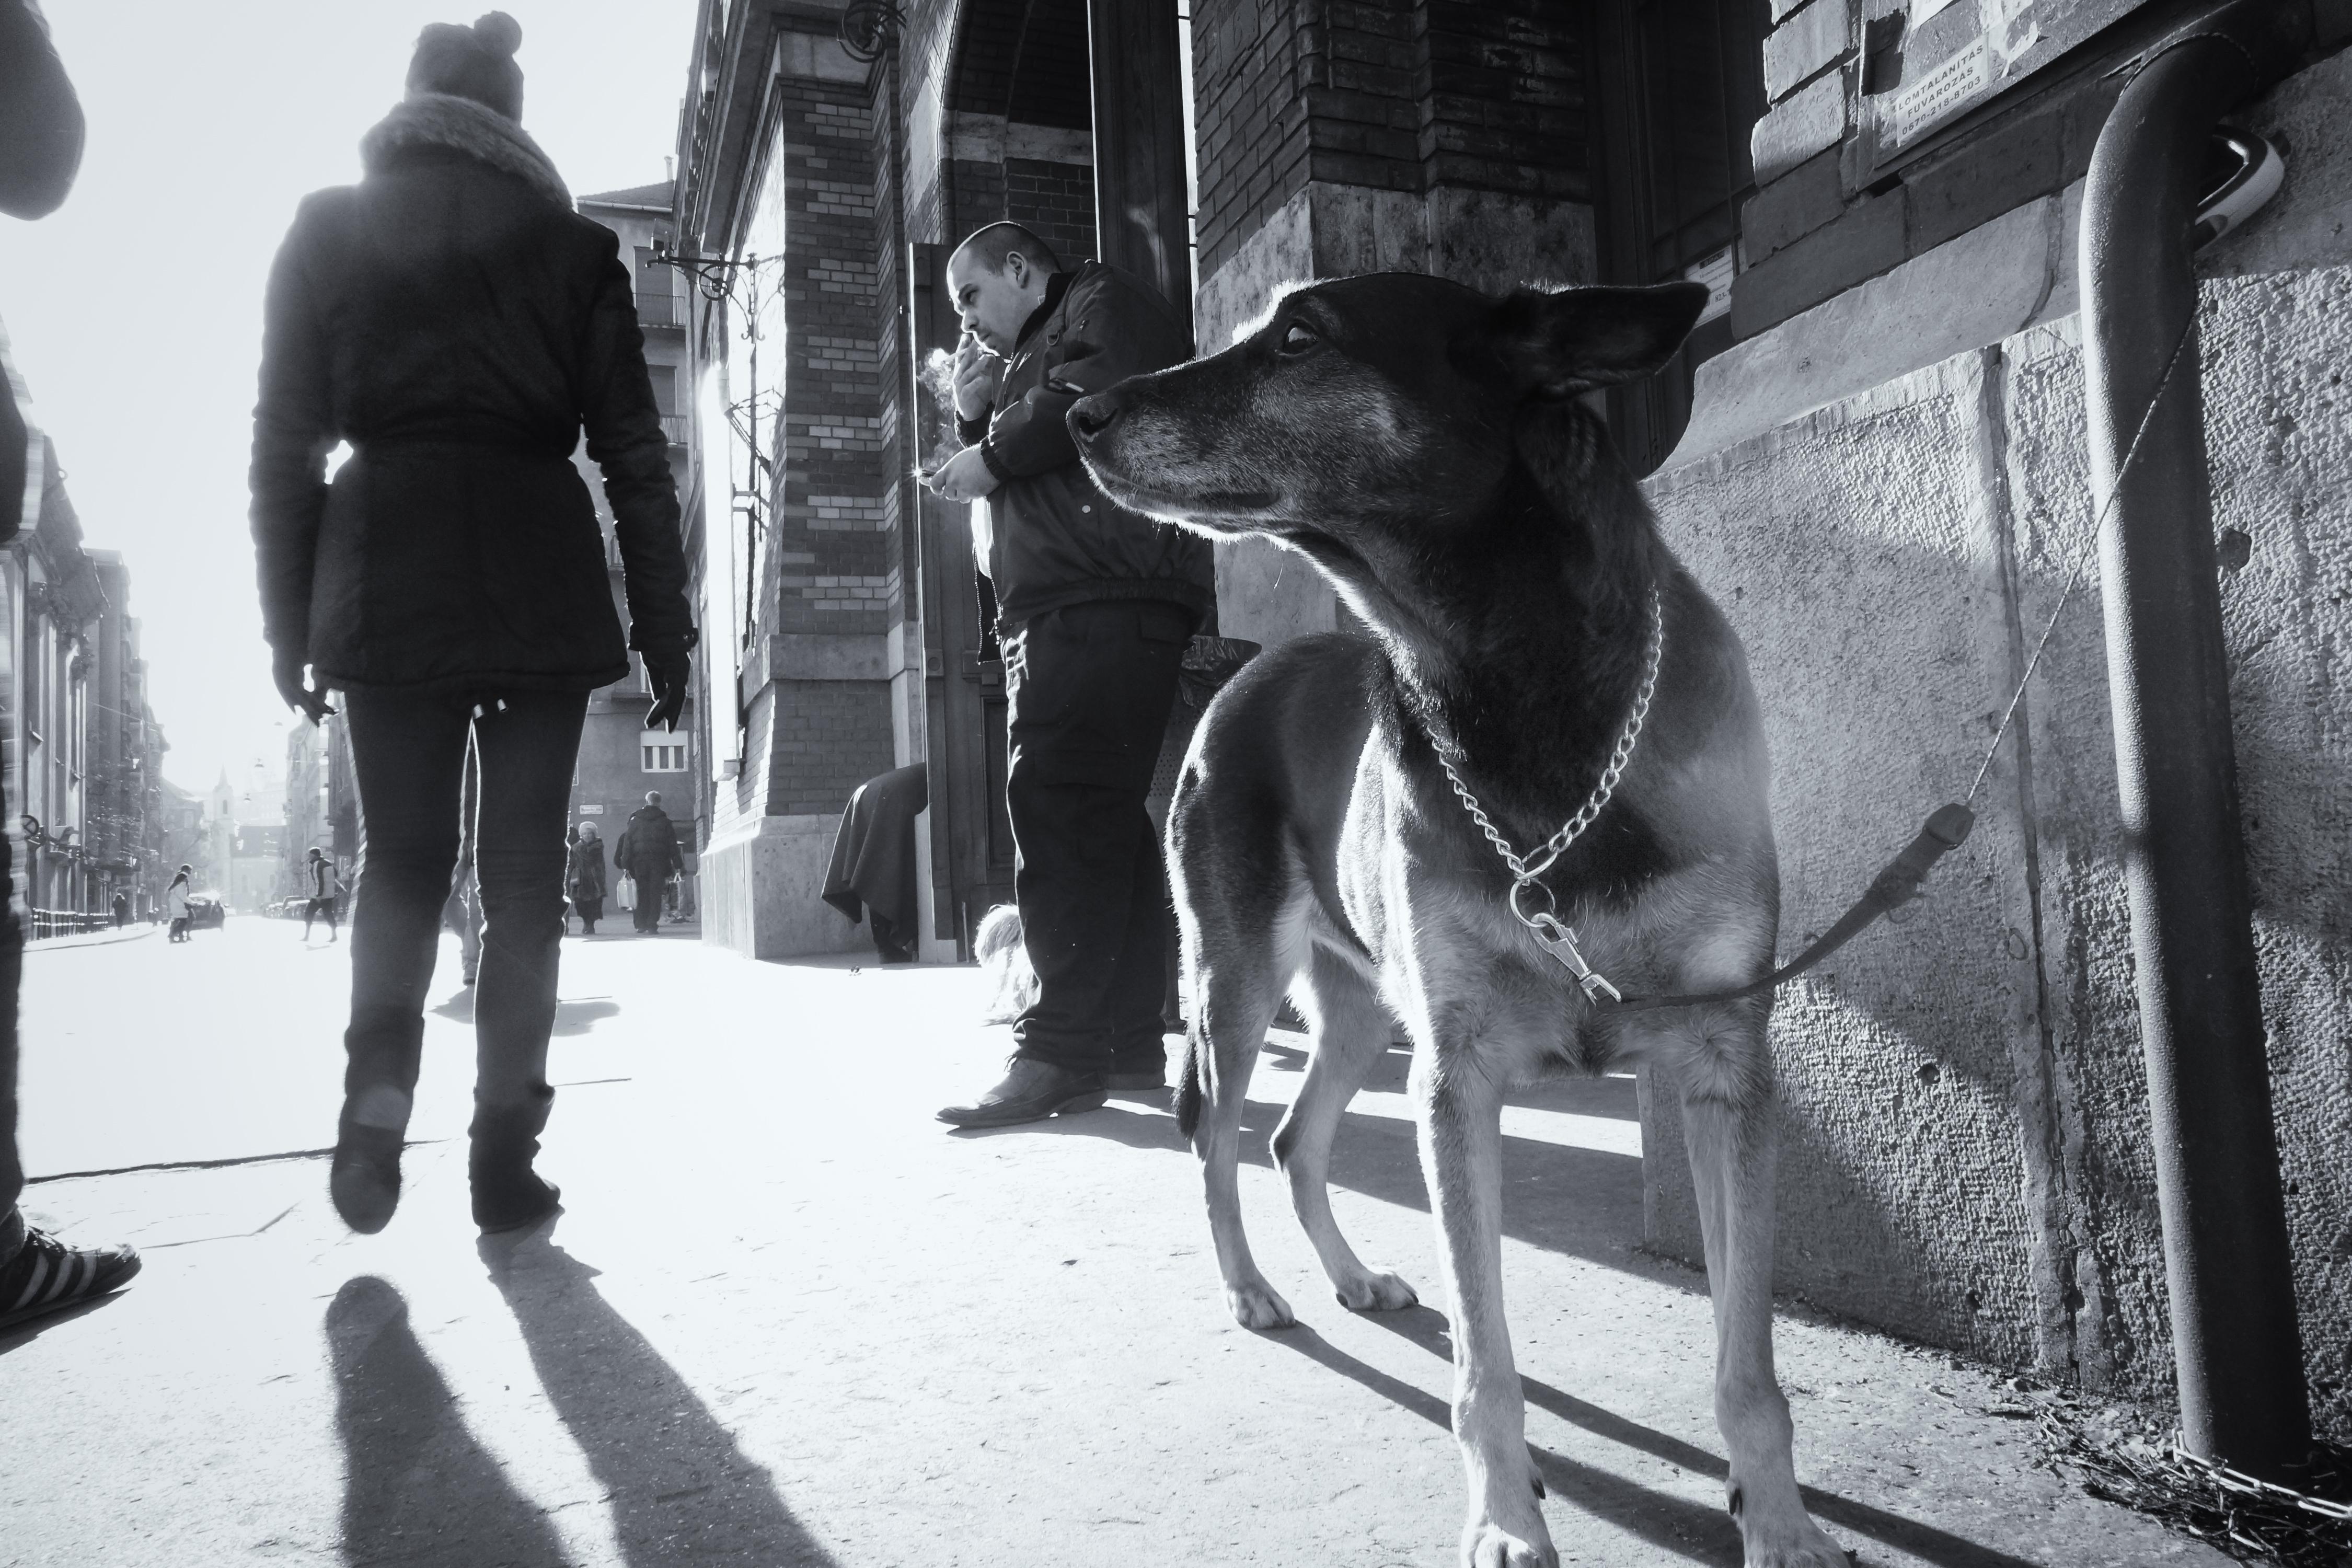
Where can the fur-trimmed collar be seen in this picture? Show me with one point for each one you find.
(444, 120)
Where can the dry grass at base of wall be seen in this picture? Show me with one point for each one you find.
(2123, 1457)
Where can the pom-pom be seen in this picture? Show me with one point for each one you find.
(499, 33)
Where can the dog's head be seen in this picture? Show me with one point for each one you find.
(1369, 405)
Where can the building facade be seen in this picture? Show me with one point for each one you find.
(84, 772)
(620, 758)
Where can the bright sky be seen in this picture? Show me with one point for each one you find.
(136, 309)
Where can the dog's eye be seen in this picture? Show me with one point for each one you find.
(1299, 340)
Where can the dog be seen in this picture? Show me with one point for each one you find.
(1431, 450)
(1003, 957)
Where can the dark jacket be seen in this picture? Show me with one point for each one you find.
(649, 847)
(40, 149)
(1059, 539)
(459, 324)
(583, 879)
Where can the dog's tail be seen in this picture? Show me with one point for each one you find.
(1192, 1079)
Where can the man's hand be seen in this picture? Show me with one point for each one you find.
(962, 478)
(294, 684)
(975, 378)
(668, 674)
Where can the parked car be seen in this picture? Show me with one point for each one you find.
(205, 912)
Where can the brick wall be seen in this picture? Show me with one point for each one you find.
(1852, 180)
(829, 736)
(1056, 201)
(831, 564)
(1386, 95)
(1252, 121)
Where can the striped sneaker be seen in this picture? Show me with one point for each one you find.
(48, 1275)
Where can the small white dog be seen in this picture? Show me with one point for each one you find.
(998, 947)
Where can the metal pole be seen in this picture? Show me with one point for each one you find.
(2237, 1350)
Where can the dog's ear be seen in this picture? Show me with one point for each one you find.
(1538, 344)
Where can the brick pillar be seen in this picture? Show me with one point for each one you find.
(818, 664)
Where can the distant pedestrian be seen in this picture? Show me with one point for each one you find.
(454, 321)
(325, 887)
(647, 854)
(175, 902)
(1095, 606)
(585, 877)
(40, 151)
(121, 910)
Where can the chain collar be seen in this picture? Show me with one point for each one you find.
(1527, 869)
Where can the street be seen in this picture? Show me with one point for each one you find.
(787, 1318)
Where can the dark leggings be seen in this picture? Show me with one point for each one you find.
(409, 755)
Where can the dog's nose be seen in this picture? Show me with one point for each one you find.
(1090, 416)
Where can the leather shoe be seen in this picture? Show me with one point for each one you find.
(1031, 1091)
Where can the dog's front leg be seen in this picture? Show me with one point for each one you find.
(1459, 1107)
(1733, 1151)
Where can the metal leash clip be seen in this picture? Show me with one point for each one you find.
(1559, 940)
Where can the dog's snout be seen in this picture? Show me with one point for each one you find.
(1090, 416)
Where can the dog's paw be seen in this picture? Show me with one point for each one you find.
(1489, 1545)
(1376, 1293)
(1255, 1305)
(1789, 1542)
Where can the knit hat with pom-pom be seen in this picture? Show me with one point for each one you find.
(476, 62)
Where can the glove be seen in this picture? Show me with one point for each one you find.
(294, 684)
(666, 672)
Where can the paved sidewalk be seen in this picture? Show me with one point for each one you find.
(788, 1318)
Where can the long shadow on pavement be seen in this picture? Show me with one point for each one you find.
(1676, 1524)
(1424, 1326)
(416, 1486)
(1581, 1203)
(680, 1488)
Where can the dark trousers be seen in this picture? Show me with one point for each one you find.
(408, 752)
(1089, 688)
(11, 970)
(647, 914)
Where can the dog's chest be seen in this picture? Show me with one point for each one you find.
(1448, 954)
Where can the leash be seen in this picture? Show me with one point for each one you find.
(1898, 882)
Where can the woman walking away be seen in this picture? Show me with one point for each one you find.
(585, 877)
(175, 902)
(454, 321)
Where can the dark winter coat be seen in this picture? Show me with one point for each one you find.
(1059, 539)
(649, 847)
(459, 324)
(585, 877)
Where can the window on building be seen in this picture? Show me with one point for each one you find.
(662, 752)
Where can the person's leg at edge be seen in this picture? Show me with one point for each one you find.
(529, 746)
(408, 758)
(38, 1273)
(1089, 688)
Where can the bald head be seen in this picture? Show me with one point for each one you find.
(997, 280)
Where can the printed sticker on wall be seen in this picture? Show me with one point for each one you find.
(1943, 92)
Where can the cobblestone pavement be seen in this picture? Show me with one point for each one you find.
(789, 1319)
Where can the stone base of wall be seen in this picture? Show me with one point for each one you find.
(760, 887)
